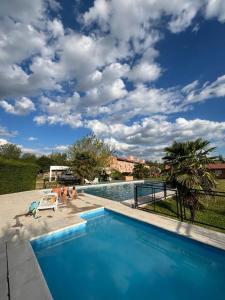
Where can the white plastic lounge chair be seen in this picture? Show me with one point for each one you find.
(87, 181)
(95, 180)
(49, 201)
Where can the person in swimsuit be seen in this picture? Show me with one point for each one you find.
(73, 193)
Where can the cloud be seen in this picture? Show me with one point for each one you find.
(106, 86)
(36, 151)
(61, 148)
(103, 76)
(28, 41)
(145, 72)
(60, 111)
(23, 106)
(23, 10)
(145, 101)
(31, 138)
(6, 132)
(56, 28)
(3, 142)
(126, 22)
(215, 9)
(216, 89)
(150, 136)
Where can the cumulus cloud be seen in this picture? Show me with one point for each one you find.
(144, 100)
(215, 9)
(23, 106)
(23, 10)
(60, 111)
(145, 72)
(180, 13)
(150, 136)
(103, 76)
(3, 142)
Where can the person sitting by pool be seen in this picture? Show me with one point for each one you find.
(57, 190)
(73, 193)
(64, 194)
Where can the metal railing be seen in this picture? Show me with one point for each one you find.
(164, 200)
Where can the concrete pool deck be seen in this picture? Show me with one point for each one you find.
(20, 274)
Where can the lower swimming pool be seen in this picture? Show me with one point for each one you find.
(116, 257)
(119, 192)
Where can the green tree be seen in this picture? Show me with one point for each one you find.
(44, 163)
(29, 157)
(59, 159)
(10, 151)
(221, 158)
(154, 171)
(155, 164)
(140, 171)
(88, 157)
(188, 170)
(116, 175)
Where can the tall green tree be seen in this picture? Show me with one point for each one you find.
(29, 157)
(187, 168)
(140, 171)
(10, 151)
(59, 159)
(88, 157)
(44, 163)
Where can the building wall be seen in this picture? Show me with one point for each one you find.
(122, 166)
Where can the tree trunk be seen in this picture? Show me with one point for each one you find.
(192, 211)
(193, 207)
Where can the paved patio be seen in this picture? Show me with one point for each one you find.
(20, 274)
(14, 224)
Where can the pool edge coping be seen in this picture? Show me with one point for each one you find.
(197, 234)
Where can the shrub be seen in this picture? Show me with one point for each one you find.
(17, 176)
(140, 171)
(116, 175)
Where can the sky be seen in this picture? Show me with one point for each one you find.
(138, 74)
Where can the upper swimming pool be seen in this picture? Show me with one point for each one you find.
(116, 257)
(118, 192)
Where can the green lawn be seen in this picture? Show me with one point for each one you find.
(220, 185)
(210, 211)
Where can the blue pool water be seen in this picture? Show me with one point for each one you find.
(115, 257)
(119, 192)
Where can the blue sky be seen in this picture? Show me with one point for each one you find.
(138, 74)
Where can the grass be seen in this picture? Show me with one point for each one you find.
(220, 185)
(211, 211)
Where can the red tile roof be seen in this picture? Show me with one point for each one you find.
(216, 166)
(129, 160)
(125, 159)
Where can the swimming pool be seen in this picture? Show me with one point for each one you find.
(116, 257)
(119, 192)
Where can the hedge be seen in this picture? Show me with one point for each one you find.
(17, 176)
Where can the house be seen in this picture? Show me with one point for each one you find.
(124, 165)
(218, 169)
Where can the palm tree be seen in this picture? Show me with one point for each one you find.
(188, 170)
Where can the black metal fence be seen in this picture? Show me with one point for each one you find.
(161, 199)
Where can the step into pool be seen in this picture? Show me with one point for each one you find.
(116, 257)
